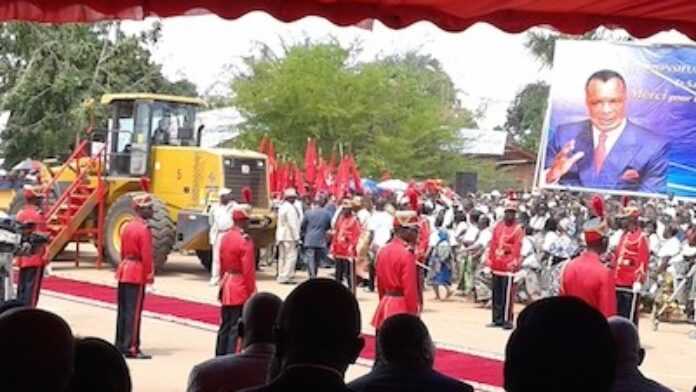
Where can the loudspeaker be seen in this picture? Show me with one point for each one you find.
(466, 182)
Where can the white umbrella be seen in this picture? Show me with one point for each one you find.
(393, 185)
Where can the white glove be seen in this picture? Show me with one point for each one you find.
(486, 270)
(150, 288)
(637, 286)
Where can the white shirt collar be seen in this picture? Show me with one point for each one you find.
(612, 136)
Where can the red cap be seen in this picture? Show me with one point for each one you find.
(142, 201)
(406, 219)
(241, 212)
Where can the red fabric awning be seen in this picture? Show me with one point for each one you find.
(640, 17)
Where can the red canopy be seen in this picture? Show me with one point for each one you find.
(640, 17)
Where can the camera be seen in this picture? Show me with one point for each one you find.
(15, 239)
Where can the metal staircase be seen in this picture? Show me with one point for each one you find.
(82, 199)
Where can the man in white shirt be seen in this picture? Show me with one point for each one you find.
(288, 236)
(220, 220)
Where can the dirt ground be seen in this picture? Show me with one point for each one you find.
(456, 324)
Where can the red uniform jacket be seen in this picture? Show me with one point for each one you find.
(136, 264)
(587, 278)
(32, 214)
(346, 237)
(423, 241)
(506, 245)
(237, 267)
(631, 258)
(396, 282)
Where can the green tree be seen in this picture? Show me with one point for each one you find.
(47, 72)
(398, 114)
(525, 116)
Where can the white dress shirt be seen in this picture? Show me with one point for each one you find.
(612, 136)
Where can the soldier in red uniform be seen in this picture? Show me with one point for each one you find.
(630, 264)
(396, 274)
(32, 262)
(135, 270)
(344, 243)
(504, 260)
(586, 277)
(396, 271)
(238, 283)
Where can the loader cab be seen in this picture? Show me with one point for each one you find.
(139, 122)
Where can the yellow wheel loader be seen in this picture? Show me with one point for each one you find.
(153, 142)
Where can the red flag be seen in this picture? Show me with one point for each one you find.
(355, 174)
(321, 177)
(342, 178)
(310, 160)
(263, 144)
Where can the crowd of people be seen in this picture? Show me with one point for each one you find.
(289, 346)
(585, 266)
(455, 235)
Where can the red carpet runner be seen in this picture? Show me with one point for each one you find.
(455, 364)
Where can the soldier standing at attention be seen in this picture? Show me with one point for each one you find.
(630, 265)
(238, 283)
(504, 260)
(135, 270)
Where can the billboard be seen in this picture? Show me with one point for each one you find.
(621, 119)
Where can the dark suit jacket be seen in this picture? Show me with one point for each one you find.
(233, 372)
(304, 379)
(315, 224)
(390, 379)
(636, 162)
(632, 380)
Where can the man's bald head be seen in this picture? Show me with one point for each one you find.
(46, 344)
(319, 323)
(258, 317)
(628, 350)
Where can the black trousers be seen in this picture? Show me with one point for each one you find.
(228, 332)
(371, 270)
(29, 285)
(627, 304)
(343, 271)
(503, 290)
(130, 308)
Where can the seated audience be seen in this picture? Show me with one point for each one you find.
(408, 355)
(99, 366)
(317, 337)
(630, 355)
(11, 304)
(560, 344)
(234, 372)
(37, 351)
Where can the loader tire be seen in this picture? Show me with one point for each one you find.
(161, 226)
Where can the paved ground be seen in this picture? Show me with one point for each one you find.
(456, 324)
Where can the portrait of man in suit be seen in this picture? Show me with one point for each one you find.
(607, 150)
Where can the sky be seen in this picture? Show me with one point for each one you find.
(488, 66)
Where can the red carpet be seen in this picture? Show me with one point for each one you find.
(455, 364)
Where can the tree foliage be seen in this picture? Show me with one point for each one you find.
(525, 116)
(397, 114)
(47, 72)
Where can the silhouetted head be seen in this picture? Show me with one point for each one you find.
(404, 342)
(99, 366)
(258, 318)
(319, 323)
(11, 304)
(560, 344)
(38, 351)
(629, 353)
